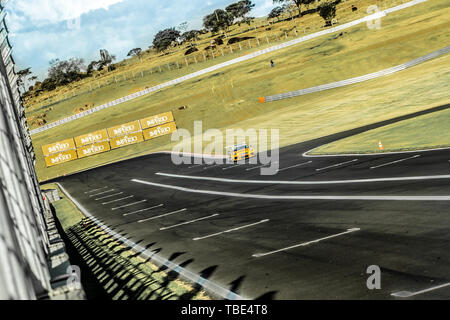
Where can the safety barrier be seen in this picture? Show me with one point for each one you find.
(112, 138)
(225, 64)
(355, 80)
(24, 242)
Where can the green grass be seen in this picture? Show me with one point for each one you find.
(424, 132)
(120, 272)
(233, 103)
(108, 92)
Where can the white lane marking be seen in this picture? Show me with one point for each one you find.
(195, 166)
(258, 255)
(397, 161)
(447, 176)
(306, 155)
(95, 190)
(98, 194)
(262, 196)
(117, 200)
(407, 294)
(297, 165)
(159, 260)
(111, 195)
(189, 222)
(212, 166)
(337, 165)
(231, 230)
(162, 215)
(130, 204)
(142, 210)
(234, 166)
(264, 165)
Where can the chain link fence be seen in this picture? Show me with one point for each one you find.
(24, 231)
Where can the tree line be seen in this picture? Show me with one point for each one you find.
(63, 72)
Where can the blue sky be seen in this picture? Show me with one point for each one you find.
(42, 30)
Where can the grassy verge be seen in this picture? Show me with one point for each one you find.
(103, 88)
(424, 132)
(228, 99)
(110, 270)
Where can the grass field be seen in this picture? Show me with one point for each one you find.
(113, 271)
(228, 99)
(87, 91)
(425, 132)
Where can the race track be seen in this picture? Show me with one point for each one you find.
(308, 232)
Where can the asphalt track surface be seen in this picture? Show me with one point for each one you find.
(277, 240)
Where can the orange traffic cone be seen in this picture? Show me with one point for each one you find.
(380, 146)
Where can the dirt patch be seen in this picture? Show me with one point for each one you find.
(86, 107)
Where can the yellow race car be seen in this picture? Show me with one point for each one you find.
(241, 152)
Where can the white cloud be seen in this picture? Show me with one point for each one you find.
(262, 8)
(53, 11)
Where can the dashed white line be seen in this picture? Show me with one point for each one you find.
(111, 195)
(108, 202)
(397, 161)
(128, 205)
(98, 194)
(162, 215)
(231, 230)
(142, 210)
(212, 166)
(95, 190)
(258, 255)
(337, 165)
(195, 166)
(234, 166)
(297, 165)
(407, 294)
(311, 197)
(188, 222)
(262, 166)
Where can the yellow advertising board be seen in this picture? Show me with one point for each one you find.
(61, 157)
(130, 127)
(91, 138)
(126, 140)
(157, 120)
(57, 147)
(93, 149)
(159, 131)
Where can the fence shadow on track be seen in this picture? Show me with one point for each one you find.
(111, 271)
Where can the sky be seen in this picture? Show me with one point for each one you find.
(42, 30)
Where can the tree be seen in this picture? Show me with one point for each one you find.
(327, 11)
(218, 20)
(106, 60)
(22, 75)
(183, 26)
(163, 39)
(276, 13)
(298, 3)
(239, 10)
(135, 52)
(191, 35)
(91, 67)
(66, 71)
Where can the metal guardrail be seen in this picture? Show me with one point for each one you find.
(363, 78)
(223, 65)
(24, 242)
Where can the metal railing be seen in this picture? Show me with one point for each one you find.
(24, 243)
(355, 80)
